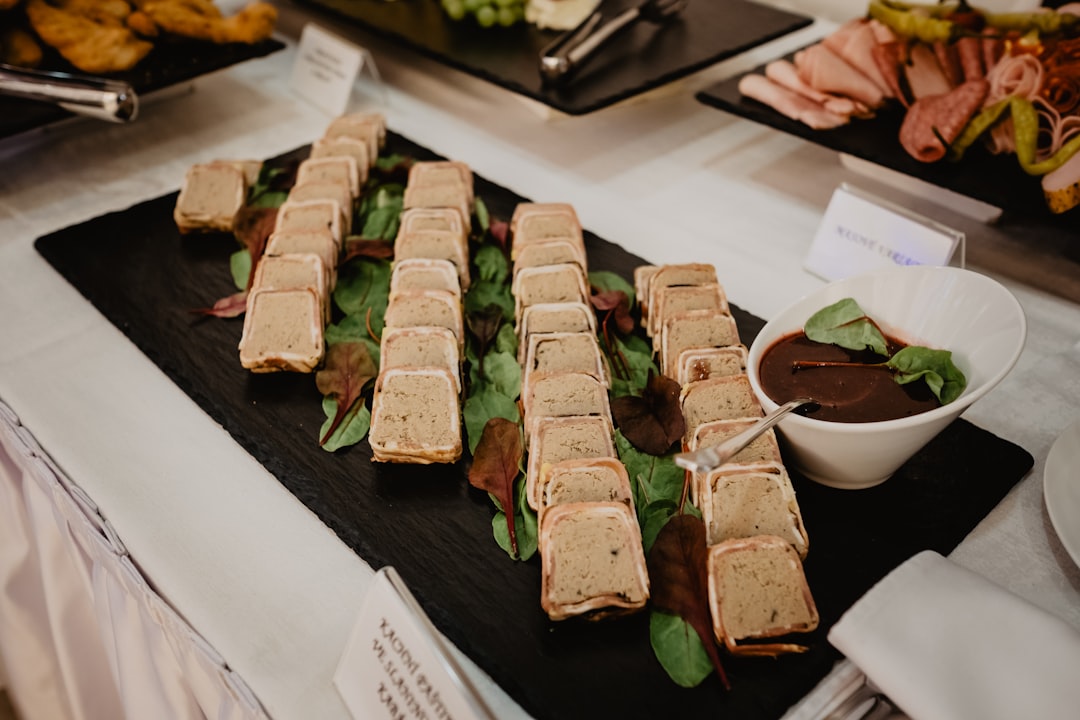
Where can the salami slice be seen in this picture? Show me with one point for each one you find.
(937, 118)
(970, 51)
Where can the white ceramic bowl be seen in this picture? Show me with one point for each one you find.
(940, 307)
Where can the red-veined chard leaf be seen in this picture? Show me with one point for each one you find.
(936, 367)
(348, 368)
(378, 249)
(679, 649)
(652, 422)
(526, 532)
(227, 307)
(678, 576)
(845, 324)
(613, 307)
(499, 231)
(495, 467)
(350, 430)
(607, 281)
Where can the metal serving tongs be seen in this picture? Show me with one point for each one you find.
(710, 458)
(571, 50)
(100, 98)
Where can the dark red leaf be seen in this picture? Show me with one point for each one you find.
(227, 307)
(253, 227)
(495, 466)
(348, 368)
(616, 305)
(499, 231)
(654, 421)
(363, 247)
(484, 325)
(678, 577)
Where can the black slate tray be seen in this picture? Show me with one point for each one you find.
(171, 62)
(643, 58)
(436, 531)
(994, 179)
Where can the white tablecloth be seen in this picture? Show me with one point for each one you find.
(261, 579)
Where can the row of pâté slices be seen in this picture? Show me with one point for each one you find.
(590, 542)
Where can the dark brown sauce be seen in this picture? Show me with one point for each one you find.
(846, 394)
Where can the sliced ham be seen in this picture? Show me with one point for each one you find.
(934, 121)
(924, 75)
(854, 41)
(823, 69)
(789, 103)
(786, 74)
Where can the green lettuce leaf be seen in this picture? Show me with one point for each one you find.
(936, 367)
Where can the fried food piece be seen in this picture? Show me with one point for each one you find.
(18, 47)
(201, 19)
(90, 35)
(141, 23)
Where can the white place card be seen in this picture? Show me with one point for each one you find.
(862, 232)
(326, 69)
(396, 664)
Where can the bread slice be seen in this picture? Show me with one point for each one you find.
(741, 502)
(326, 190)
(675, 299)
(548, 284)
(694, 329)
(454, 197)
(367, 127)
(420, 308)
(703, 363)
(438, 245)
(344, 146)
(592, 561)
(415, 416)
(283, 330)
(311, 215)
(642, 276)
(554, 440)
(684, 274)
(338, 168)
(421, 347)
(424, 274)
(442, 172)
(719, 398)
(553, 317)
(301, 242)
(210, 197)
(294, 272)
(550, 252)
(762, 450)
(565, 352)
(587, 480)
(533, 222)
(443, 219)
(757, 589)
(563, 394)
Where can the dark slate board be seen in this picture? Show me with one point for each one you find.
(436, 530)
(994, 179)
(171, 62)
(643, 58)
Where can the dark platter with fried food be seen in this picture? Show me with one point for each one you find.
(151, 44)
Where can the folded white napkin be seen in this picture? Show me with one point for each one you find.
(943, 642)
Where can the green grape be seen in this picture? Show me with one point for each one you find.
(486, 16)
(454, 8)
(506, 3)
(472, 6)
(507, 16)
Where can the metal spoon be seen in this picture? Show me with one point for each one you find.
(711, 458)
(573, 49)
(101, 98)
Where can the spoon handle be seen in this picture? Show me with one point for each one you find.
(710, 458)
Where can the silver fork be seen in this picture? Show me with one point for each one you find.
(570, 51)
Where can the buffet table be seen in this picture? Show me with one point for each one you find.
(169, 508)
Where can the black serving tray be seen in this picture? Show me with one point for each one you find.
(435, 529)
(643, 58)
(995, 179)
(172, 61)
